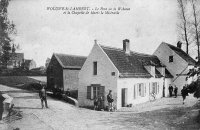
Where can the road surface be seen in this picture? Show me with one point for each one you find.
(165, 113)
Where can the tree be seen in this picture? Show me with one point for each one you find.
(183, 25)
(47, 62)
(6, 28)
(196, 25)
(194, 86)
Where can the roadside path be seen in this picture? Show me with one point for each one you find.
(165, 113)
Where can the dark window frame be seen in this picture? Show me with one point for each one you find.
(95, 68)
(171, 59)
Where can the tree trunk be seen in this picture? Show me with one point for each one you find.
(196, 27)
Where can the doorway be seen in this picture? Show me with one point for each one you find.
(124, 97)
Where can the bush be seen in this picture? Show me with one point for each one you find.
(74, 94)
(34, 86)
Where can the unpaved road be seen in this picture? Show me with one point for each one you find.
(165, 113)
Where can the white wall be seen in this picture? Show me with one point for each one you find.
(176, 67)
(70, 79)
(129, 84)
(103, 77)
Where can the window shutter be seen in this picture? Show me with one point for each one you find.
(145, 90)
(88, 92)
(102, 91)
(156, 87)
(134, 92)
(142, 89)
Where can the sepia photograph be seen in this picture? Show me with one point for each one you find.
(99, 65)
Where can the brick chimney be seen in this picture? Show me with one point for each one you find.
(126, 46)
(179, 44)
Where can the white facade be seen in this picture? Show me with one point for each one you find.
(133, 94)
(104, 69)
(178, 66)
(108, 76)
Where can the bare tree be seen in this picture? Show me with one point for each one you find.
(183, 25)
(196, 24)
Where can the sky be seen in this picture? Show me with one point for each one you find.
(42, 32)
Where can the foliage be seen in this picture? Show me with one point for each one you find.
(6, 28)
(189, 24)
(194, 86)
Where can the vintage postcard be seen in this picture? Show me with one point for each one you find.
(99, 64)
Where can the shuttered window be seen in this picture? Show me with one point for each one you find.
(155, 88)
(141, 89)
(102, 91)
(95, 91)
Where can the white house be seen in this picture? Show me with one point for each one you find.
(176, 61)
(131, 76)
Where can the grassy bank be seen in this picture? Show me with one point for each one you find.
(22, 82)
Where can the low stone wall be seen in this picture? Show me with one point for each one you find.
(7, 104)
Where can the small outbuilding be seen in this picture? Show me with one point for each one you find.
(62, 71)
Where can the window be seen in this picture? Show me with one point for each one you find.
(170, 58)
(95, 68)
(155, 88)
(94, 91)
(141, 89)
(113, 73)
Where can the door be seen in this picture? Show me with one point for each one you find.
(124, 97)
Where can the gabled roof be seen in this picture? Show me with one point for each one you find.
(17, 56)
(27, 62)
(158, 74)
(132, 65)
(182, 54)
(168, 74)
(70, 61)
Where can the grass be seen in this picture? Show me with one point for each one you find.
(22, 82)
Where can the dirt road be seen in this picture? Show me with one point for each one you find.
(165, 113)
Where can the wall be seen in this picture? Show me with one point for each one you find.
(70, 79)
(32, 65)
(55, 72)
(103, 77)
(176, 67)
(129, 84)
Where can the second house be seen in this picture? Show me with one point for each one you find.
(131, 76)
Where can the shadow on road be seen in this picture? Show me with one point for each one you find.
(28, 97)
(27, 108)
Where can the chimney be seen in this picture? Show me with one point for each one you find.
(179, 44)
(126, 46)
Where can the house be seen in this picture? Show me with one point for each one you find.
(62, 71)
(131, 76)
(176, 61)
(16, 60)
(29, 64)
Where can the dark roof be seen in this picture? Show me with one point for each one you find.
(27, 62)
(168, 74)
(158, 74)
(132, 65)
(17, 56)
(182, 54)
(70, 61)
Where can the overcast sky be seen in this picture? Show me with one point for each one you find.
(42, 32)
